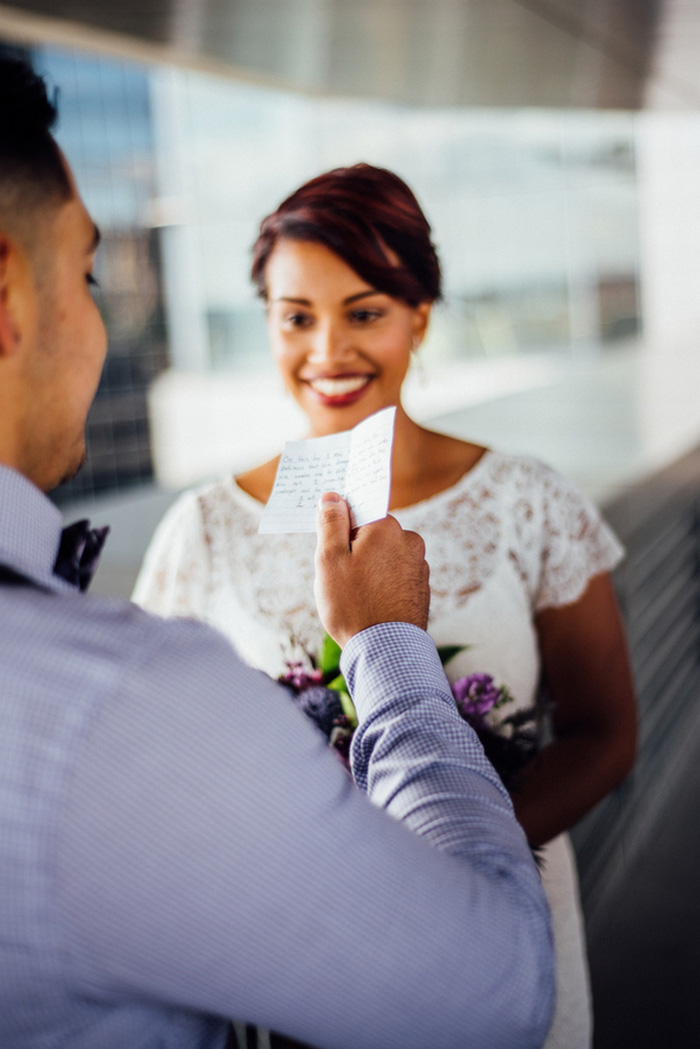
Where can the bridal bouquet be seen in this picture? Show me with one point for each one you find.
(322, 694)
(510, 742)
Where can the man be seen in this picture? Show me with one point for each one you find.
(177, 845)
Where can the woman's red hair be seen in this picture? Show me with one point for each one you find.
(359, 213)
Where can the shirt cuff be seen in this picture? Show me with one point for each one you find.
(392, 659)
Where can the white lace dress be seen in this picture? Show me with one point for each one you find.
(509, 539)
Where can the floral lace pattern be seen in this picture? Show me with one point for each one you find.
(208, 561)
(518, 508)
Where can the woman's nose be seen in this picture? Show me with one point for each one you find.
(327, 344)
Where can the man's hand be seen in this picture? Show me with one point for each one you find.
(381, 576)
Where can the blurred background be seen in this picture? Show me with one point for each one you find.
(555, 148)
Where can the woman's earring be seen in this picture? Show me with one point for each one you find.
(417, 363)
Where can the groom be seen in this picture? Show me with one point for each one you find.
(177, 845)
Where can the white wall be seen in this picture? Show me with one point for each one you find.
(669, 208)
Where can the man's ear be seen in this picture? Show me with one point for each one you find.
(14, 285)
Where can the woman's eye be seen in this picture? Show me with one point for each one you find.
(365, 316)
(91, 280)
(297, 320)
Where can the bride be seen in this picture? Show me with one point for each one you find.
(519, 559)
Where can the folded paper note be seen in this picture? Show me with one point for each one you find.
(356, 463)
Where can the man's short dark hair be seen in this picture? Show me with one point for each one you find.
(32, 173)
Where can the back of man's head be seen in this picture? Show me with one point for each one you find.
(33, 177)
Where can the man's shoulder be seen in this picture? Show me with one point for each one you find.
(95, 637)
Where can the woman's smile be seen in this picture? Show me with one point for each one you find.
(339, 390)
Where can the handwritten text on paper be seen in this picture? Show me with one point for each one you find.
(356, 463)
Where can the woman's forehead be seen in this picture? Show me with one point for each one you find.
(303, 269)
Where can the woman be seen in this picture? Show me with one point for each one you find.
(519, 559)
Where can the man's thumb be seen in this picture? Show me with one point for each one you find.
(333, 524)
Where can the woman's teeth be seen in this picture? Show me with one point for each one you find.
(337, 387)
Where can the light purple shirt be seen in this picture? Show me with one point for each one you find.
(178, 846)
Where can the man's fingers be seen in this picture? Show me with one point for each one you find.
(384, 578)
(333, 525)
(416, 541)
(392, 533)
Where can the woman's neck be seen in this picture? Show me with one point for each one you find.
(424, 462)
(411, 448)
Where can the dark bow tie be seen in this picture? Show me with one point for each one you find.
(79, 553)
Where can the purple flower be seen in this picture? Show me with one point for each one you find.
(322, 705)
(298, 678)
(476, 695)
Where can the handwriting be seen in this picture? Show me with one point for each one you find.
(356, 463)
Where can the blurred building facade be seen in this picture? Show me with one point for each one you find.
(534, 213)
(106, 131)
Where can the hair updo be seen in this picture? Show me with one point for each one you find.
(359, 213)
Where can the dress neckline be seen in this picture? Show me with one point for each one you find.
(445, 493)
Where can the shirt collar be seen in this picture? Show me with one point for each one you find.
(30, 530)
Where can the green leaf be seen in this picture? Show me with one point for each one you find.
(339, 685)
(329, 660)
(448, 652)
(348, 707)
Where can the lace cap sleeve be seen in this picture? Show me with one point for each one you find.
(577, 544)
(175, 570)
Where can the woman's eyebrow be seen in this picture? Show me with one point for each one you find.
(346, 302)
(360, 295)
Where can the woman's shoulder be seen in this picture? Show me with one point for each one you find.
(460, 459)
(521, 489)
(517, 463)
(469, 469)
(552, 515)
(204, 504)
(522, 472)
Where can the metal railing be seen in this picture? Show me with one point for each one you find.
(658, 586)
